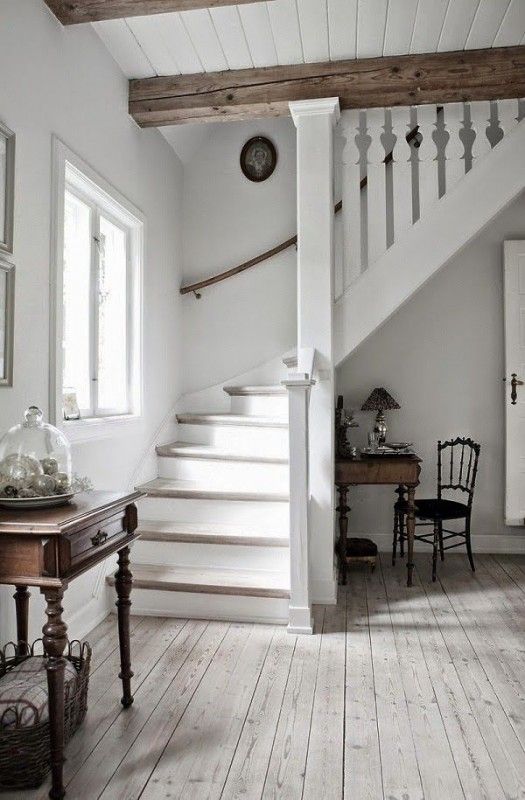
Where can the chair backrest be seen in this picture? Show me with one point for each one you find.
(458, 465)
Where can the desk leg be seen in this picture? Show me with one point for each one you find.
(55, 641)
(123, 584)
(411, 529)
(343, 510)
(21, 597)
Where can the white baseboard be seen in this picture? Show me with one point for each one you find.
(481, 543)
(324, 592)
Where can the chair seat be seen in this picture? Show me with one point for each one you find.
(432, 508)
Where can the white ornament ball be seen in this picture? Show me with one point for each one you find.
(61, 480)
(49, 465)
(44, 485)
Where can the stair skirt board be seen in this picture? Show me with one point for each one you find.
(186, 605)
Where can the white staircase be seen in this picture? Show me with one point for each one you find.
(421, 201)
(215, 523)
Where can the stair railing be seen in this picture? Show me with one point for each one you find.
(397, 163)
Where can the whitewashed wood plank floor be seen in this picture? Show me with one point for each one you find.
(401, 695)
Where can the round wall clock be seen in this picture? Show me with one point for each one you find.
(258, 158)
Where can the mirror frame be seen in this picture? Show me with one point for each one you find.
(6, 245)
(9, 269)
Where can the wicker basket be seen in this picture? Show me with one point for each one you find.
(24, 748)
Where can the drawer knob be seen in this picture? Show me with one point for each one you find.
(99, 538)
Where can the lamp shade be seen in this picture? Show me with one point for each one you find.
(380, 400)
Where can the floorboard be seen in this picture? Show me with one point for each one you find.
(401, 694)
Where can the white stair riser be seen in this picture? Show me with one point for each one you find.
(185, 554)
(239, 439)
(260, 405)
(258, 516)
(186, 605)
(236, 475)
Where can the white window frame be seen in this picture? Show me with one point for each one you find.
(71, 173)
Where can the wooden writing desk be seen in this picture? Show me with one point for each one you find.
(401, 471)
(50, 547)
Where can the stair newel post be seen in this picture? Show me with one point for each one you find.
(300, 609)
(454, 116)
(401, 172)
(508, 111)
(427, 157)
(479, 119)
(315, 121)
(351, 196)
(376, 185)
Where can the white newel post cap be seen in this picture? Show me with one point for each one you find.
(310, 108)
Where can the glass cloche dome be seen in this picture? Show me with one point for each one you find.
(35, 464)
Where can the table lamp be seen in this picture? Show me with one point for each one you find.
(380, 400)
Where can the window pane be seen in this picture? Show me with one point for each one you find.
(77, 266)
(112, 319)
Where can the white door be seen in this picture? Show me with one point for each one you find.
(514, 258)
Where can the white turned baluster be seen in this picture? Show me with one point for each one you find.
(479, 118)
(427, 157)
(401, 172)
(351, 194)
(508, 111)
(376, 185)
(454, 115)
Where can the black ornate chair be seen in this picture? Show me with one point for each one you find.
(457, 470)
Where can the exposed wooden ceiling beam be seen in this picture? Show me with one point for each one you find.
(365, 83)
(72, 12)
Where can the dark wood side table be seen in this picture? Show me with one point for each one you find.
(50, 547)
(401, 471)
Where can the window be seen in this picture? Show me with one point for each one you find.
(97, 331)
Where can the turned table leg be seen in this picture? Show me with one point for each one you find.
(55, 641)
(411, 529)
(21, 597)
(343, 510)
(123, 584)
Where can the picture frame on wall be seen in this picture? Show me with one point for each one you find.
(7, 188)
(7, 320)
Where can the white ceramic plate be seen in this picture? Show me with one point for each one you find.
(36, 502)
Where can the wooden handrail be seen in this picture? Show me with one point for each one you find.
(221, 276)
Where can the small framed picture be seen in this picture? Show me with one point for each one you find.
(7, 321)
(7, 188)
(258, 159)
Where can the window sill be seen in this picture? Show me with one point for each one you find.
(90, 428)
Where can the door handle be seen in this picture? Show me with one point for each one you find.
(513, 388)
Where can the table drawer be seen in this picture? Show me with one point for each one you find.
(86, 543)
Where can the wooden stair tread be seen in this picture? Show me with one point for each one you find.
(208, 580)
(256, 391)
(165, 487)
(207, 451)
(206, 533)
(232, 419)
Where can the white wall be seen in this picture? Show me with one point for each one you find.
(63, 81)
(441, 357)
(249, 318)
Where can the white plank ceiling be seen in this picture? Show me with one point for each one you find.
(298, 31)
